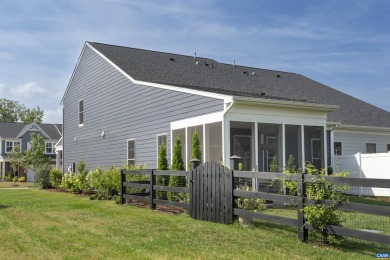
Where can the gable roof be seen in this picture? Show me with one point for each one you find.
(211, 76)
(12, 130)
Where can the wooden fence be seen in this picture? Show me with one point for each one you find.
(205, 204)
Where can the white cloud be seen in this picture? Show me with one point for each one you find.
(29, 88)
(53, 116)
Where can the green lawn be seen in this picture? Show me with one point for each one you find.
(37, 224)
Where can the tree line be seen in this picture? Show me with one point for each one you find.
(12, 111)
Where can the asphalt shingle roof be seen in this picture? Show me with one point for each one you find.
(212, 76)
(11, 130)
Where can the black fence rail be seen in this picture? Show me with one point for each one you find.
(150, 188)
(300, 200)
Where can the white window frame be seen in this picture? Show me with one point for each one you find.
(127, 152)
(80, 112)
(12, 145)
(334, 147)
(376, 146)
(158, 147)
(52, 148)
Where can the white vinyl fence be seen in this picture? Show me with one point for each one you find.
(375, 166)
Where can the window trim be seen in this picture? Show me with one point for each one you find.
(52, 147)
(12, 145)
(158, 148)
(334, 148)
(376, 146)
(80, 112)
(127, 151)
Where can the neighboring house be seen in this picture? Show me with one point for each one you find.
(19, 134)
(122, 103)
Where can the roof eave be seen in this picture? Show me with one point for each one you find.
(363, 128)
(287, 104)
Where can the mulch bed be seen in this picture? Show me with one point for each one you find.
(161, 208)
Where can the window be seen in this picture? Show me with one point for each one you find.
(370, 148)
(50, 148)
(131, 152)
(388, 147)
(10, 145)
(81, 112)
(29, 146)
(338, 148)
(162, 138)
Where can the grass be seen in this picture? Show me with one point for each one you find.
(53, 225)
(10, 184)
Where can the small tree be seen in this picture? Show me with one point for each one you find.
(38, 162)
(162, 165)
(177, 165)
(322, 214)
(196, 151)
(16, 160)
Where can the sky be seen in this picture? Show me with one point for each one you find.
(343, 44)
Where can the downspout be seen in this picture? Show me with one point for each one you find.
(224, 155)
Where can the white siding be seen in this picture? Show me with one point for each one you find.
(355, 142)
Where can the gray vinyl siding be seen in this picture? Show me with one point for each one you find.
(123, 110)
(353, 143)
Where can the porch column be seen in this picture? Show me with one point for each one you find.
(3, 168)
(204, 143)
(303, 148)
(187, 159)
(283, 146)
(324, 149)
(226, 142)
(332, 149)
(256, 133)
(57, 160)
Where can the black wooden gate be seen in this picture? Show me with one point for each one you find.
(211, 195)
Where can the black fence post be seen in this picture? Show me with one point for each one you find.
(194, 164)
(151, 189)
(302, 231)
(121, 187)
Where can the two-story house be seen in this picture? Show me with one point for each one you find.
(19, 134)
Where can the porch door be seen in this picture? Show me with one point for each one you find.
(243, 149)
(316, 153)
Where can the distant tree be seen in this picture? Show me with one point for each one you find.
(16, 160)
(177, 165)
(31, 115)
(162, 164)
(9, 110)
(196, 152)
(38, 162)
(13, 111)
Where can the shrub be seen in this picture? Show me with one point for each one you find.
(177, 181)
(55, 178)
(196, 152)
(106, 184)
(320, 215)
(42, 176)
(7, 178)
(136, 177)
(22, 179)
(162, 165)
(256, 205)
(67, 182)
